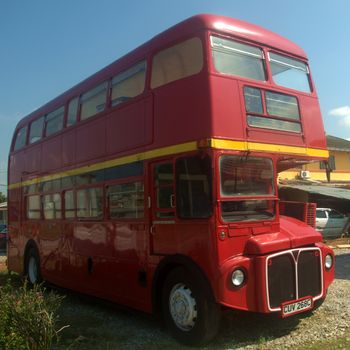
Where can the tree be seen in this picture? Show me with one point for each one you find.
(2, 198)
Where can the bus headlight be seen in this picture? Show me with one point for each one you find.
(328, 261)
(238, 277)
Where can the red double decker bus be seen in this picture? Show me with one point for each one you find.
(153, 183)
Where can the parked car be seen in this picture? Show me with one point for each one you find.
(330, 222)
(3, 236)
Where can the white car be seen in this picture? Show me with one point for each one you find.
(330, 222)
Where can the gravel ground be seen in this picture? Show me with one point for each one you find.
(330, 321)
(94, 326)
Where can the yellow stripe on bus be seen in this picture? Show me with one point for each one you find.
(164, 151)
(180, 148)
(267, 147)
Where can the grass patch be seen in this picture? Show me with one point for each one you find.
(28, 316)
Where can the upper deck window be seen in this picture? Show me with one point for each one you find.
(177, 62)
(36, 130)
(234, 58)
(72, 111)
(93, 101)
(289, 72)
(129, 83)
(20, 138)
(54, 121)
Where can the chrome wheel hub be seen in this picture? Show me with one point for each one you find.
(183, 307)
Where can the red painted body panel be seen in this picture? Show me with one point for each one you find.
(119, 259)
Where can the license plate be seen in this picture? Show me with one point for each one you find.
(297, 306)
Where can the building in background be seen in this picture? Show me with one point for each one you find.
(338, 165)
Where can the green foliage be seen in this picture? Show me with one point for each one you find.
(2, 198)
(28, 317)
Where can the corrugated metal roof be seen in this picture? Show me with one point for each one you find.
(337, 144)
(335, 192)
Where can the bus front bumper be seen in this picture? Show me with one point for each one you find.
(274, 280)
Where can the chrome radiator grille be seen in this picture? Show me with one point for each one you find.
(292, 275)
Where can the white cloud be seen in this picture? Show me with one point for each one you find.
(343, 113)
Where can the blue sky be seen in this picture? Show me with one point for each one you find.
(48, 46)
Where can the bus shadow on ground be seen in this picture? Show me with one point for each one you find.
(94, 322)
(247, 329)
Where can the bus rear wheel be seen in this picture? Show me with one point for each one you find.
(32, 270)
(189, 309)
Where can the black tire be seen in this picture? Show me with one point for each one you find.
(32, 267)
(194, 317)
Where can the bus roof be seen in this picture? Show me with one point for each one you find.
(236, 28)
(190, 26)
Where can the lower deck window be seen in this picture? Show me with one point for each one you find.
(69, 205)
(90, 203)
(33, 207)
(52, 206)
(193, 187)
(126, 200)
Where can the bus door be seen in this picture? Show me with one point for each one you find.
(162, 202)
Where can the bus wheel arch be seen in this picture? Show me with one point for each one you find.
(178, 278)
(31, 268)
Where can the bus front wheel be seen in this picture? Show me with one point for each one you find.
(189, 308)
(33, 267)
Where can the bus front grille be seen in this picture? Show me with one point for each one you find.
(293, 275)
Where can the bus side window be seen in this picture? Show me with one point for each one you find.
(20, 138)
(52, 206)
(128, 84)
(126, 201)
(36, 130)
(54, 121)
(193, 187)
(72, 111)
(93, 101)
(33, 207)
(177, 62)
(90, 203)
(164, 190)
(69, 205)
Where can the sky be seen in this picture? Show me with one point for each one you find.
(48, 46)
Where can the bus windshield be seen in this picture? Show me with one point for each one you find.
(289, 72)
(247, 61)
(245, 182)
(235, 58)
